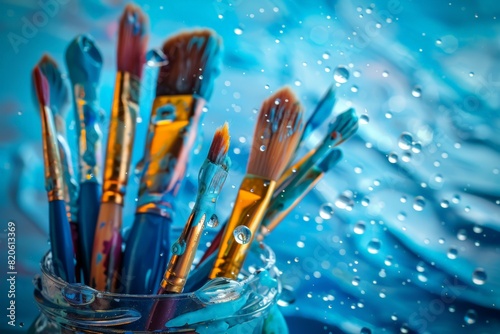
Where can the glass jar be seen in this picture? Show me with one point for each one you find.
(220, 306)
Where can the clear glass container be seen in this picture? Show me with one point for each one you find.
(220, 306)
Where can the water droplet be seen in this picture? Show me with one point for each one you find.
(365, 330)
(341, 74)
(452, 253)
(456, 199)
(388, 261)
(359, 228)
(242, 234)
(406, 157)
(416, 148)
(392, 157)
(405, 141)
(471, 74)
(365, 201)
(364, 119)
(438, 178)
(297, 83)
(418, 203)
(388, 115)
(262, 148)
(479, 276)
(326, 55)
(213, 221)
(462, 235)
(344, 202)
(374, 246)
(238, 31)
(477, 229)
(287, 296)
(266, 86)
(178, 248)
(404, 329)
(354, 89)
(355, 281)
(326, 211)
(445, 204)
(470, 317)
(328, 69)
(416, 92)
(156, 58)
(385, 74)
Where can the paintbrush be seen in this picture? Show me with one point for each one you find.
(84, 63)
(344, 126)
(320, 114)
(278, 129)
(211, 178)
(59, 229)
(106, 255)
(184, 86)
(59, 100)
(286, 201)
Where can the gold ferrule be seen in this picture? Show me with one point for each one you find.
(172, 132)
(179, 266)
(54, 183)
(121, 137)
(88, 116)
(251, 203)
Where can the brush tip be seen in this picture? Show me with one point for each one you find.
(41, 86)
(279, 127)
(193, 63)
(220, 145)
(84, 60)
(132, 40)
(59, 92)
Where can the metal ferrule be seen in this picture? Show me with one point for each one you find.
(121, 137)
(251, 203)
(173, 128)
(54, 183)
(89, 119)
(70, 185)
(180, 264)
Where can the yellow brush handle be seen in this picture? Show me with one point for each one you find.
(251, 203)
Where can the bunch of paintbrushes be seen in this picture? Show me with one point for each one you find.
(86, 216)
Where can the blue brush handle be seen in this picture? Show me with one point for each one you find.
(61, 243)
(88, 204)
(199, 276)
(146, 254)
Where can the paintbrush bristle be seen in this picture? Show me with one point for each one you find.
(59, 91)
(345, 125)
(132, 40)
(41, 87)
(220, 145)
(84, 60)
(279, 127)
(193, 63)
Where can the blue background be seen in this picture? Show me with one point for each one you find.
(430, 68)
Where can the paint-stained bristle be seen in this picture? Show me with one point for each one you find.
(220, 145)
(132, 40)
(84, 60)
(41, 87)
(193, 63)
(279, 127)
(59, 91)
